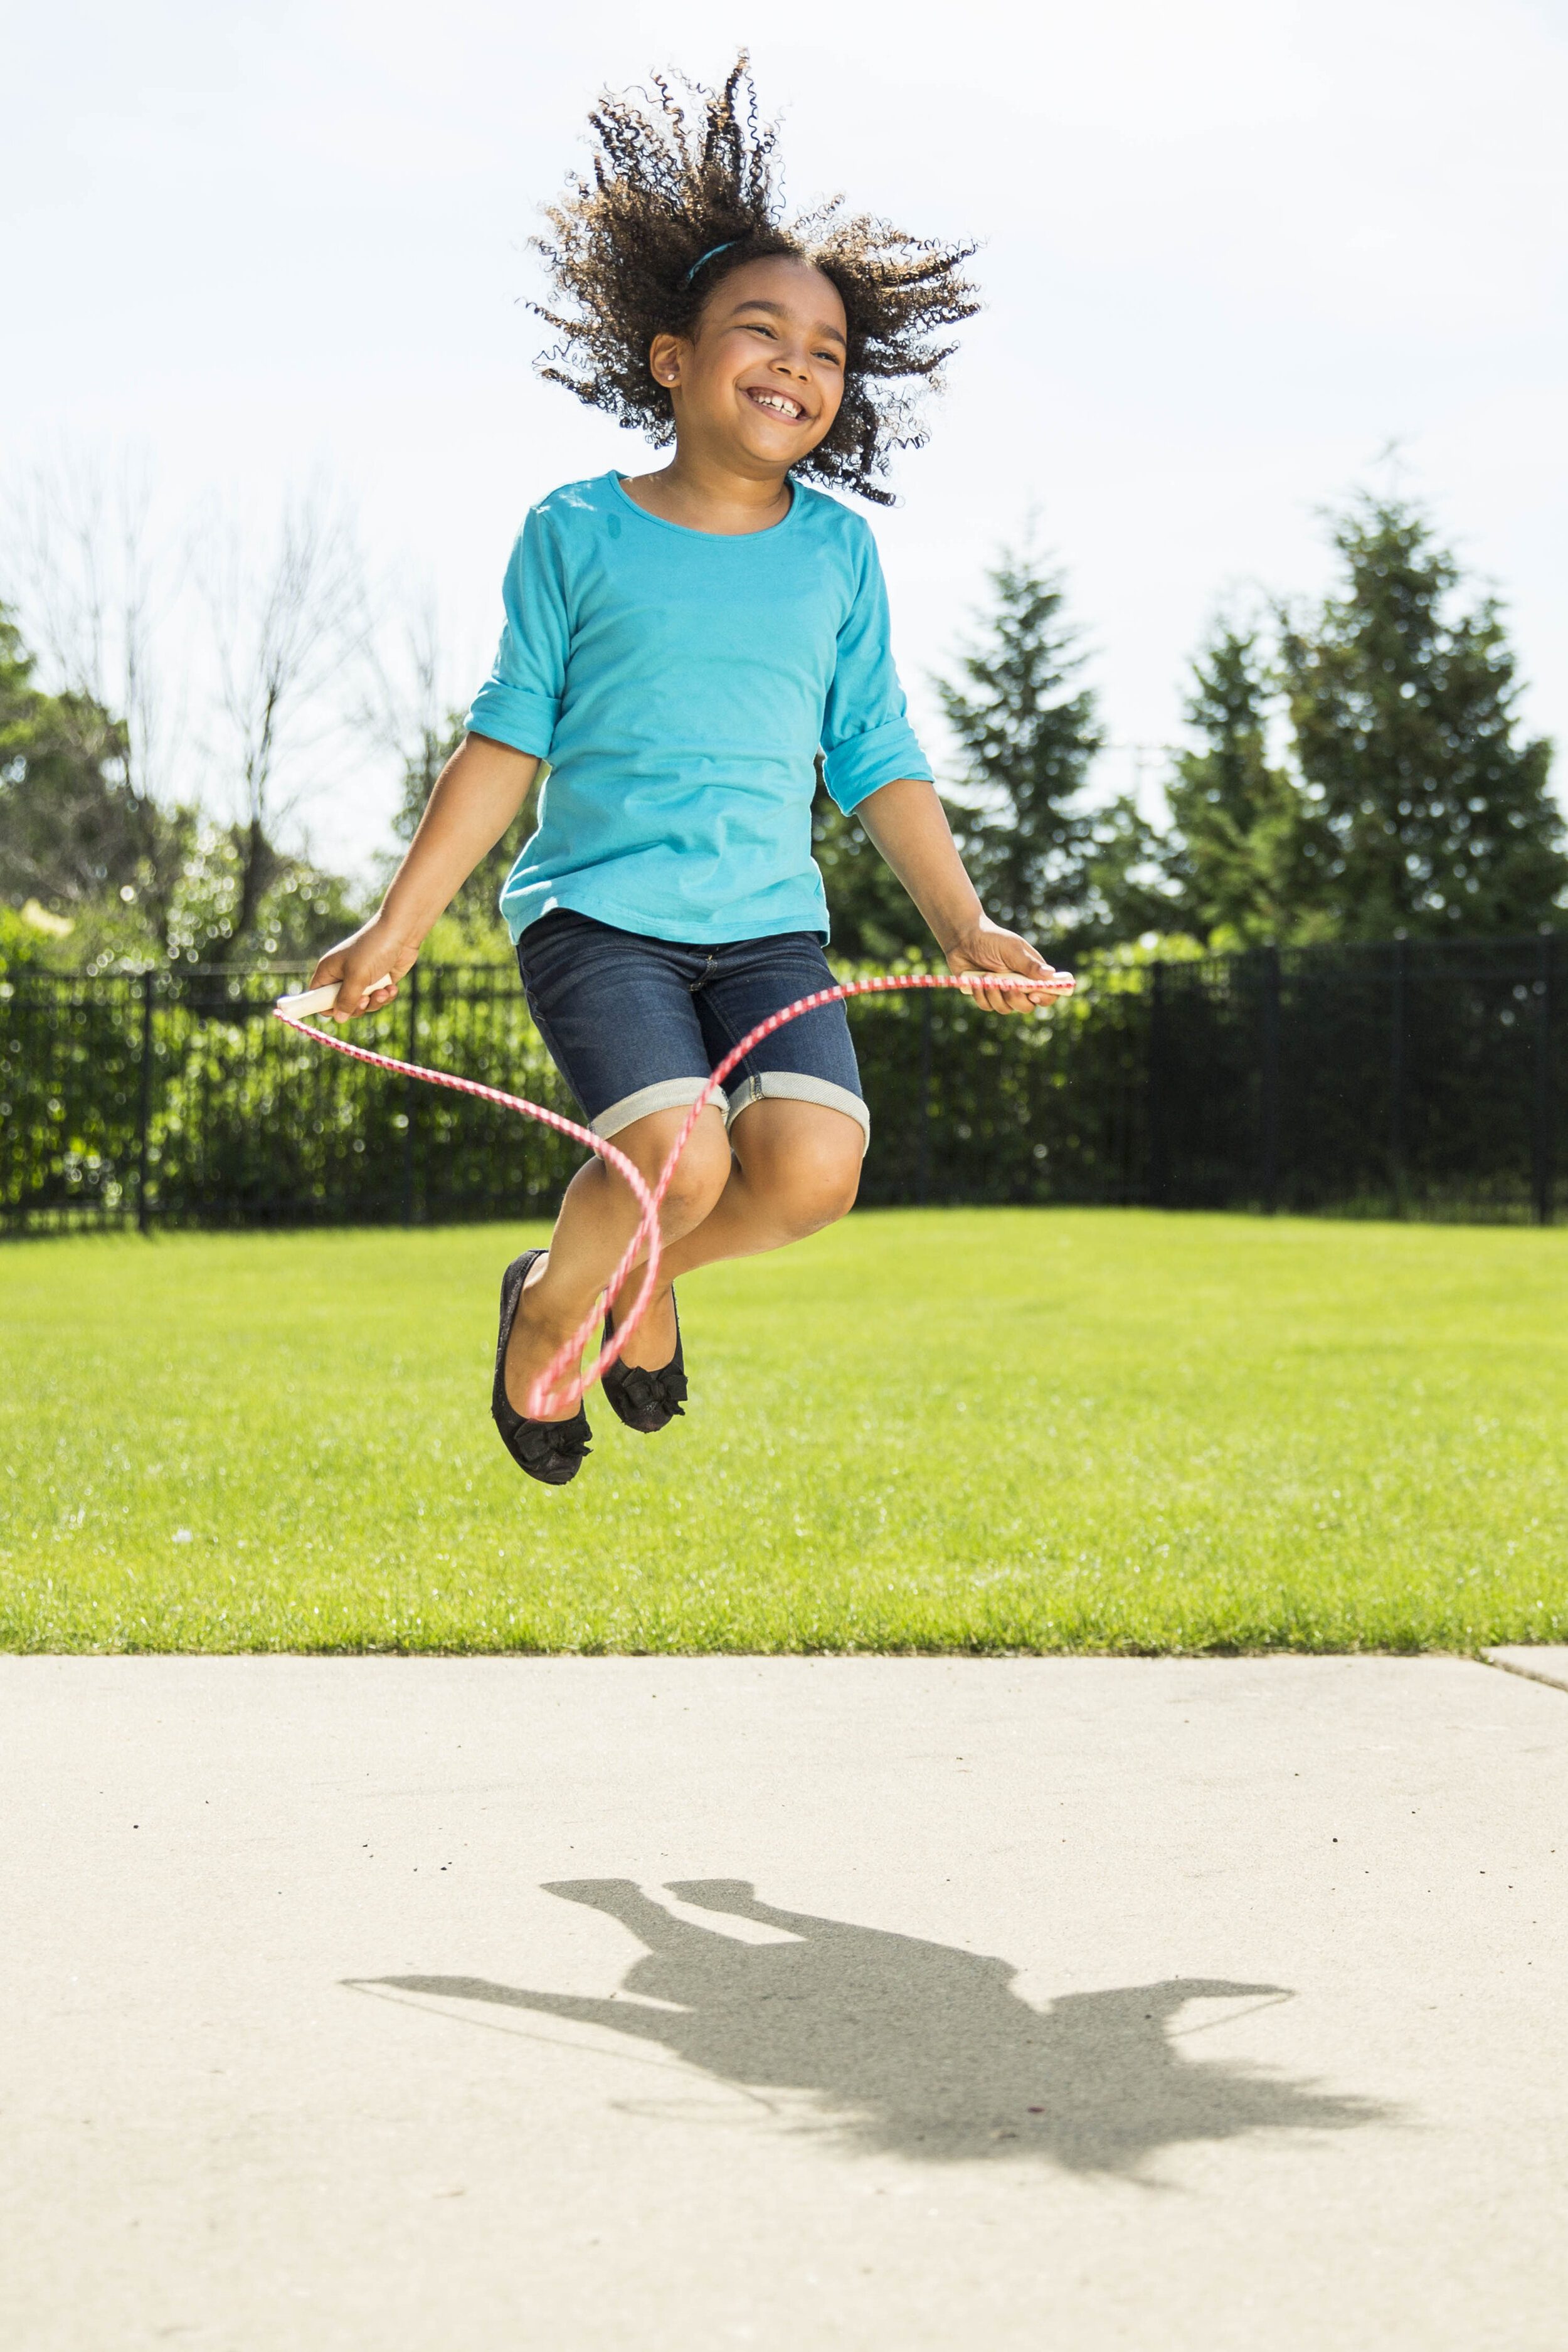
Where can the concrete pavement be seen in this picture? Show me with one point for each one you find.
(887, 2003)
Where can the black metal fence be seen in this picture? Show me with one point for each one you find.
(1416, 1079)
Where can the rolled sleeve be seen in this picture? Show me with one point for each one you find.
(510, 714)
(520, 702)
(862, 764)
(867, 738)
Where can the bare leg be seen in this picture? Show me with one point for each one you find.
(598, 1217)
(797, 1169)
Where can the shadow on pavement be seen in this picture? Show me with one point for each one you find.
(923, 2050)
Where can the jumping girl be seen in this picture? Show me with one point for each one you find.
(678, 647)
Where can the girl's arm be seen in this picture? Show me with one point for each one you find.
(477, 798)
(909, 825)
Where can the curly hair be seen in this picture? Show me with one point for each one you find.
(664, 192)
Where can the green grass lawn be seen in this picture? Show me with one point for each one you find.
(986, 1430)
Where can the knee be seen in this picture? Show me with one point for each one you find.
(701, 1173)
(814, 1186)
(694, 1191)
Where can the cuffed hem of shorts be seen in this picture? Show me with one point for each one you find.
(796, 1085)
(665, 1093)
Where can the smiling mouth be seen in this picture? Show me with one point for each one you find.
(777, 404)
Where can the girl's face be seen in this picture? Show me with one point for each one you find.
(759, 382)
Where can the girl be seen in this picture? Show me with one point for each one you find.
(679, 647)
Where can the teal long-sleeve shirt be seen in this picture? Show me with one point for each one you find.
(679, 685)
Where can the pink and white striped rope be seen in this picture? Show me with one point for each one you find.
(560, 1386)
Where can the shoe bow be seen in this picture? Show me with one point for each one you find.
(664, 1389)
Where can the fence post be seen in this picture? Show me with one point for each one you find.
(1159, 1141)
(1542, 1152)
(1397, 1081)
(144, 1113)
(1268, 1107)
(922, 1175)
(410, 1094)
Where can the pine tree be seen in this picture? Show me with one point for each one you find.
(1126, 885)
(1437, 819)
(1029, 734)
(1243, 832)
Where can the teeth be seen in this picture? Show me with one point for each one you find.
(771, 400)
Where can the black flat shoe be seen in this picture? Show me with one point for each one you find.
(646, 1401)
(551, 1451)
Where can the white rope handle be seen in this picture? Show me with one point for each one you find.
(319, 1000)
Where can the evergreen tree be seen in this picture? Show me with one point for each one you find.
(1436, 819)
(1029, 733)
(1126, 881)
(1243, 832)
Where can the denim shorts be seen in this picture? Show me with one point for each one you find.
(635, 1025)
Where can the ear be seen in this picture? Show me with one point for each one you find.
(664, 360)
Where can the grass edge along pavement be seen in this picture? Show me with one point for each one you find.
(976, 1430)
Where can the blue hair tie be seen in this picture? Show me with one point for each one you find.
(709, 255)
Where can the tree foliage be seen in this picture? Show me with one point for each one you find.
(1432, 816)
(1244, 835)
(155, 831)
(1402, 795)
(1029, 732)
(1125, 885)
(69, 825)
(114, 875)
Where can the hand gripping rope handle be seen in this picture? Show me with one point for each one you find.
(553, 1395)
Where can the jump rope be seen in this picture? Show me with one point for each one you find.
(552, 1395)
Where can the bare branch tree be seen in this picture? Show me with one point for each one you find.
(409, 709)
(96, 585)
(404, 709)
(285, 631)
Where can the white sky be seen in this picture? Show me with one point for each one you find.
(1233, 248)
